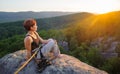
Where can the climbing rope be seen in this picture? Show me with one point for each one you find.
(19, 69)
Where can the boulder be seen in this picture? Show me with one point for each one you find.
(66, 64)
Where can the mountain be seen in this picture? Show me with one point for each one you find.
(64, 65)
(99, 31)
(13, 33)
(102, 25)
(87, 35)
(17, 16)
(105, 25)
(9, 29)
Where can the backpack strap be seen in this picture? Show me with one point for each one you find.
(41, 54)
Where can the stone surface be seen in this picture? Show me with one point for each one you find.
(107, 46)
(64, 65)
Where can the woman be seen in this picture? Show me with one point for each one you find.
(32, 41)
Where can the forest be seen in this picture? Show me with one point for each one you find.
(80, 31)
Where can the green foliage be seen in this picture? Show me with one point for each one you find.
(80, 35)
(81, 30)
(112, 65)
(118, 50)
(15, 43)
(43, 34)
(10, 29)
(16, 28)
(95, 58)
(11, 44)
(81, 54)
(73, 43)
(55, 34)
(63, 51)
(89, 55)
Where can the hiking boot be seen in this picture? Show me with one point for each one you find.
(43, 64)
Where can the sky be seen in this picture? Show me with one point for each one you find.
(94, 6)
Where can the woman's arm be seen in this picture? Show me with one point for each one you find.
(27, 43)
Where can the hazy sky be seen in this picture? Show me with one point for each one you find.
(95, 6)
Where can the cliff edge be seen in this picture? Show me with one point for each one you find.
(64, 65)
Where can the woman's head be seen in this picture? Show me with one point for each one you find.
(29, 24)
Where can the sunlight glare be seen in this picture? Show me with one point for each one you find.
(104, 6)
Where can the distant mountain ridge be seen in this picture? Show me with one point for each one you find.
(17, 16)
(9, 29)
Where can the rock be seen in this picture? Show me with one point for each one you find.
(63, 44)
(106, 46)
(64, 65)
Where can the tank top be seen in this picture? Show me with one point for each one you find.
(35, 42)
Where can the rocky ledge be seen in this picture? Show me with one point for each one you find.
(64, 65)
